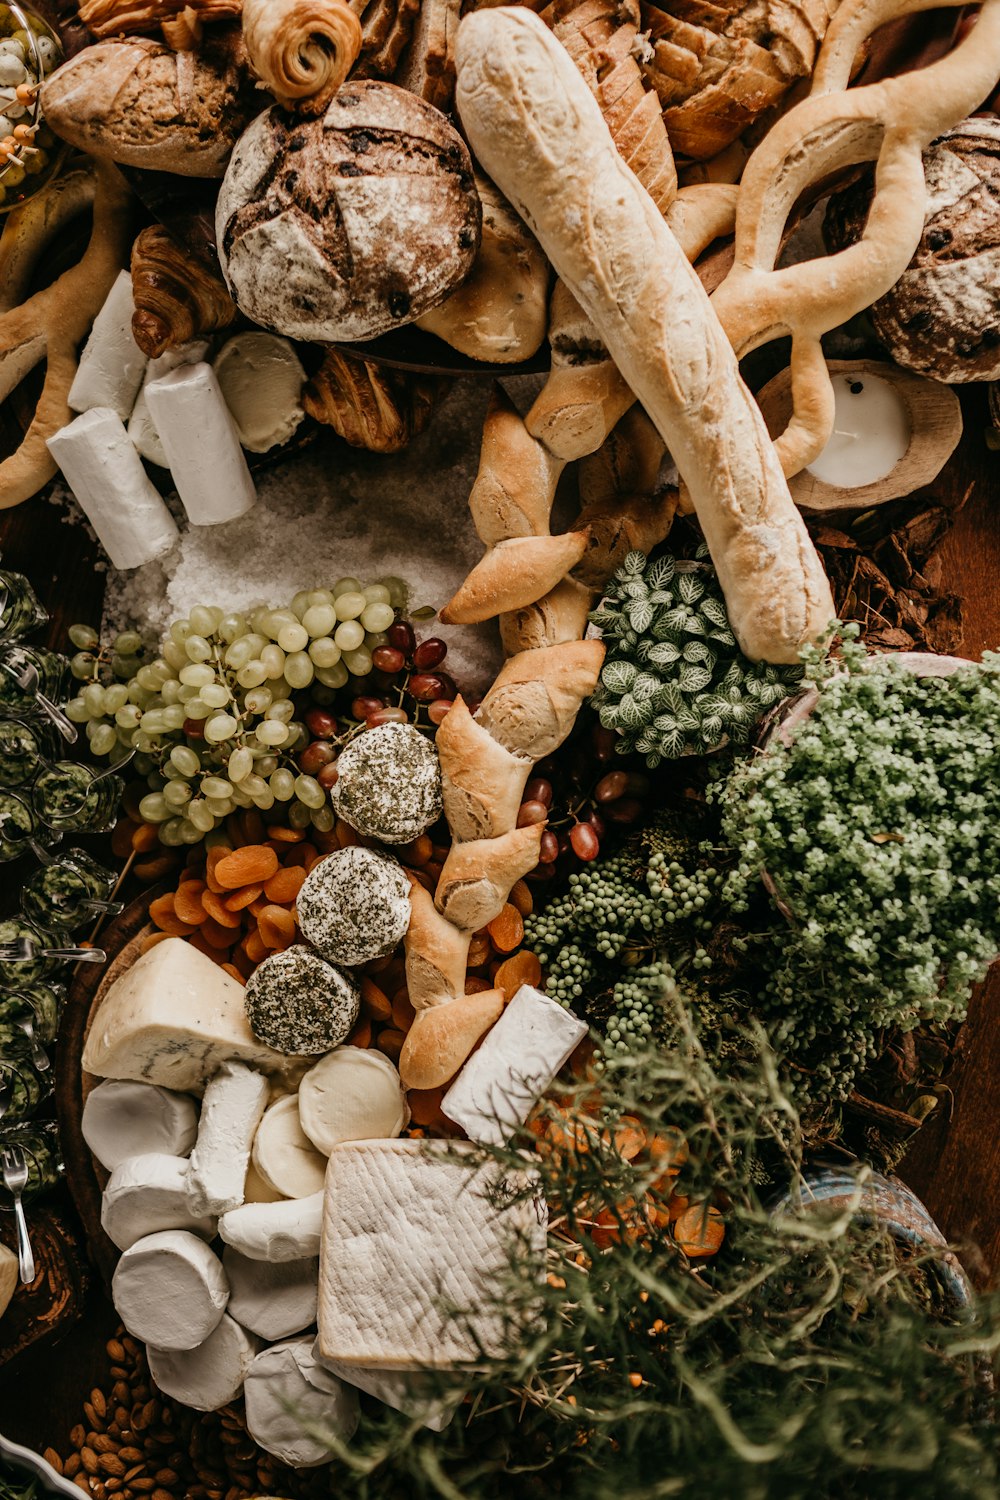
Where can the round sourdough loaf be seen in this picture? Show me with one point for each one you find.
(344, 227)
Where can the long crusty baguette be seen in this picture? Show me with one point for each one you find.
(538, 132)
(477, 876)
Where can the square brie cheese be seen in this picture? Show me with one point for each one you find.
(412, 1231)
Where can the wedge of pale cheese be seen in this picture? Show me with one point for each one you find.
(173, 1018)
(411, 1229)
(210, 1375)
(505, 1077)
(420, 1396)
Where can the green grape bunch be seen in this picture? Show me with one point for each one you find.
(215, 717)
(674, 680)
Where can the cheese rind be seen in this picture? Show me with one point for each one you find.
(202, 447)
(352, 1095)
(289, 1230)
(411, 1228)
(231, 1111)
(141, 427)
(287, 1391)
(261, 380)
(271, 1298)
(146, 1194)
(173, 1018)
(210, 1376)
(520, 1056)
(170, 1290)
(415, 1395)
(283, 1154)
(112, 364)
(123, 1119)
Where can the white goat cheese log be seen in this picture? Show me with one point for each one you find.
(141, 427)
(289, 1230)
(123, 1119)
(272, 1298)
(173, 1018)
(287, 1391)
(202, 447)
(170, 1290)
(538, 132)
(209, 1376)
(503, 1080)
(411, 1225)
(231, 1110)
(146, 1194)
(112, 364)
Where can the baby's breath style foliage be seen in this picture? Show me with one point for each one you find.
(809, 1360)
(878, 829)
(624, 926)
(674, 681)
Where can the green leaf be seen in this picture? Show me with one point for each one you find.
(663, 653)
(678, 618)
(640, 614)
(618, 676)
(645, 686)
(660, 572)
(690, 587)
(632, 716)
(714, 610)
(689, 720)
(636, 589)
(425, 612)
(696, 651)
(633, 565)
(672, 744)
(693, 679)
(671, 698)
(723, 638)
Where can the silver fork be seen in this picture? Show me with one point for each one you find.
(23, 950)
(15, 1180)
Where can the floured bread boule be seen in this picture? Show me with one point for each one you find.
(389, 784)
(344, 227)
(299, 1004)
(354, 906)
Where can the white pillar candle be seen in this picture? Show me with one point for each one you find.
(871, 433)
(112, 364)
(202, 447)
(106, 475)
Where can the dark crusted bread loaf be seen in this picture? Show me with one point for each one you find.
(344, 227)
(139, 102)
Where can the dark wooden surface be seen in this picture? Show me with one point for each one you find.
(955, 1163)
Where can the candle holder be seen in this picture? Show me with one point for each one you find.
(30, 154)
(31, 1011)
(935, 426)
(39, 1140)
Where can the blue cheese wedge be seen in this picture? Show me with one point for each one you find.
(441, 1230)
(504, 1079)
(173, 1019)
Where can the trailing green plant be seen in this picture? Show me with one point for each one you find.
(809, 1360)
(674, 681)
(877, 830)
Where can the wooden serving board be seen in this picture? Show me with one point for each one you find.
(86, 1178)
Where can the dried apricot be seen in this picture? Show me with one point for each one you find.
(699, 1230)
(285, 884)
(213, 858)
(188, 903)
(521, 897)
(121, 838)
(479, 951)
(476, 986)
(416, 853)
(425, 1105)
(507, 930)
(242, 898)
(217, 909)
(284, 835)
(256, 948)
(390, 1041)
(252, 865)
(277, 927)
(145, 838)
(234, 973)
(152, 870)
(163, 915)
(402, 1011)
(521, 968)
(215, 935)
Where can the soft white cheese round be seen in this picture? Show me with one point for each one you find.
(289, 1230)
(231, 1110)
(261, 381)
(209, 1376)
(146, 1194)
(170, 1290)
(273, 1299)
(123, 1119)
(284, 1155)
(256, 1190)
(287, 1391)
(352, 1094)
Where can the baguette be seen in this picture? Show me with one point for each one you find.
(436, 953)
(539, 134)
(532, 706)
(517, 478)
(481, 780)
(514, 573)
(561, 615)
(477, 876)
(441, 1038)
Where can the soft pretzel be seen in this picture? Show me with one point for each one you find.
(50, 326)
(891, 122)
(539, 134)
(30, 229)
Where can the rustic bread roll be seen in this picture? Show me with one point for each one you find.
(539, 134)
(343, 227)
(140, 103)
(442, 1036)
(481, 782)
(477, 876)
(533, 704)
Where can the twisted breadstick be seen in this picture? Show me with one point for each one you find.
(891, 122)
(302, 50)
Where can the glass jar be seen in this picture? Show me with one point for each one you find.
(30, 154)
(69, 891)
(20, 611)
(68, 796)
(48, 672)
(39, 1140)
(22, 1085)
(18, 826)
(15, 973)
(34, 1005)
(24, 748)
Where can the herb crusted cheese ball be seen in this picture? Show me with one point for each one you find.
(389, 784)
(354, 906)
(299, 1004)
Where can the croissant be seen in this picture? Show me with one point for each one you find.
(302, 50)
(119, 17)
(176, 294)
(370, 406)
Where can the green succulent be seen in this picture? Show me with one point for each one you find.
(674, 680)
